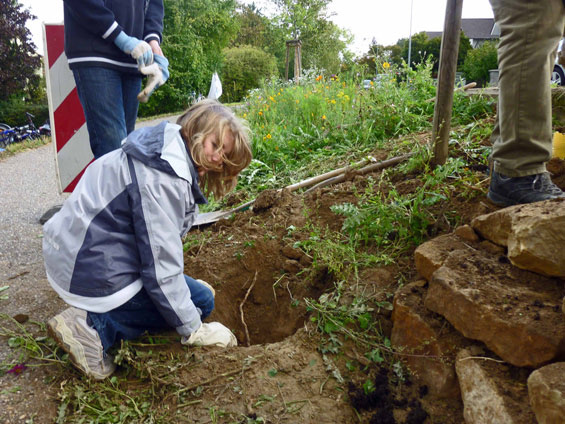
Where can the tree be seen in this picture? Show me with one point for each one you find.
(257, 30)
(479, 61)
(196, 32)
(423, 48)
(324, 44)
(20, 62)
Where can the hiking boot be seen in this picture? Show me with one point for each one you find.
(507, 191)
(81, 342)
(204, 283)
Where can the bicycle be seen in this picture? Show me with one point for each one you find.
(27, 131)
(9, 135)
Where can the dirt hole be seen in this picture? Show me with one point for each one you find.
(261, 278)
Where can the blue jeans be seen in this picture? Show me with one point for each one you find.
(139, 315)
(109, 101)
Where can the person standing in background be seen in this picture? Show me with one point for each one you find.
(522, 138)
(107, 45)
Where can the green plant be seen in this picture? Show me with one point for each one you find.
(28, 348)
(479, 61)
(244, 69)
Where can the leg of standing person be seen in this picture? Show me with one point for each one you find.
(530, 32)
(131, 86)
(100, 91)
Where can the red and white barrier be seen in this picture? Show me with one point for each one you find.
(68, 125)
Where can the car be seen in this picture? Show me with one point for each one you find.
(558, 75)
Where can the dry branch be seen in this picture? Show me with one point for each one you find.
(241, 308)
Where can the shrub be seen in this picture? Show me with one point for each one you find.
(13, 111)
(244, 69)
(478, 63)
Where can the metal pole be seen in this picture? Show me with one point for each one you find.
(410, 36)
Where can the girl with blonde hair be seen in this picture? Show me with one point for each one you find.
(114, 251)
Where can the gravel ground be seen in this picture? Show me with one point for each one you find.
(28, 188)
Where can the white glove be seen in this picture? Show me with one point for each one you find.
(211, 334)
(158, 73)
(155, 80)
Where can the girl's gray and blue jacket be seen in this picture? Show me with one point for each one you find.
(91, 26)
(121, 228)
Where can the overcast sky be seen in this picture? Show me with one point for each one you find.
(385, 20)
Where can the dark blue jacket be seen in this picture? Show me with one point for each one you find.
(91, 26)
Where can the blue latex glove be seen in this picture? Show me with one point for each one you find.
(158, 73)
(139, 50)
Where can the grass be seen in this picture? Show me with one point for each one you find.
(300, 131)
(15, 148)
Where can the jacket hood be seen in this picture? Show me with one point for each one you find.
(161, 147)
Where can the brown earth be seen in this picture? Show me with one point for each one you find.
(278, 372)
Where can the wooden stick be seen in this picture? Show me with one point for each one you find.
(446, 80)
(322, 177)
(369, 168)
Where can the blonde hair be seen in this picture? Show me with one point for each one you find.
(211, 117)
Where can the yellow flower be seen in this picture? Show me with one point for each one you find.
(271, 98)
(268, 136)
(333, 102)
(260, 113)
(297, 101)
(318, 78)
(323, 116)
(386, 65)
(245, 115)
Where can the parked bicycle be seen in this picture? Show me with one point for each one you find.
(9, 135)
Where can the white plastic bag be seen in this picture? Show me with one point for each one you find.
(215, 87)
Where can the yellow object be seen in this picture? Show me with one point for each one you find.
(559, 145)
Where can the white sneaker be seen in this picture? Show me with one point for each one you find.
(81, 342)
(204, 283)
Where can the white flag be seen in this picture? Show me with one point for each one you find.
(215, 87)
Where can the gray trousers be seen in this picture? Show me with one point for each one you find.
(530, 32)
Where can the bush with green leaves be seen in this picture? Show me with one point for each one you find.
(478, 63)
(244, 69)
(13, 111)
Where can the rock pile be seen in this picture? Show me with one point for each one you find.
(486, 322)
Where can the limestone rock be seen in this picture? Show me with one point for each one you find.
(466, 232)
(534, 234)
(430, 255)
(491, 392)
(516, 313)
(431, 340)
(546, 388)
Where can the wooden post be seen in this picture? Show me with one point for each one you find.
(286, 62)
(297, 44)
(446, 80)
